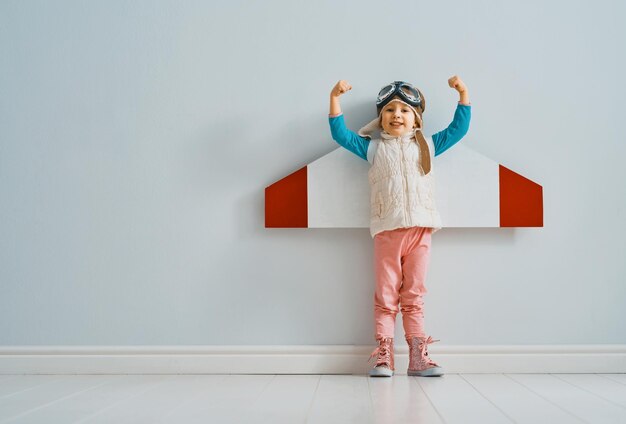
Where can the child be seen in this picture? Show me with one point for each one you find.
(403, 213)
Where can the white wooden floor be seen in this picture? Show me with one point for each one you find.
(454, 398)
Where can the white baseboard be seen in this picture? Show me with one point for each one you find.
(338, 359)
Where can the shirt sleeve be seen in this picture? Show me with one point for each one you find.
(346, 138)
(447, 138)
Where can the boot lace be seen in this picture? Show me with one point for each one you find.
(423, 350)
(383, 351)
(418, 356)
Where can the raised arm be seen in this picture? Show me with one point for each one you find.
(340, 133)
(339, 88)
(447, 138)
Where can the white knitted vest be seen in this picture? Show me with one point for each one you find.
(400, 194)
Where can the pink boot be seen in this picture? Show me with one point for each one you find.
(420, 363)
(384, 362)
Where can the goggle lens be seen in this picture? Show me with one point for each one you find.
(385, 92)
(410, 93)
(403, 89)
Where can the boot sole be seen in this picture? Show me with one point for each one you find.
(429, 372)
(381, 372)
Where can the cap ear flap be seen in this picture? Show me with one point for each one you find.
(370, 128)
(419, 124)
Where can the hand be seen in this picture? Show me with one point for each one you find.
(341, 87)
(456, 83)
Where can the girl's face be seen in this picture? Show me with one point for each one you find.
(397, 118)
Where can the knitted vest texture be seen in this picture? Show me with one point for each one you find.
(401, 193)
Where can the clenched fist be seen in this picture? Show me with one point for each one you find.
(456, 83)
(340, 88)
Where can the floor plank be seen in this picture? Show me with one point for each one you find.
(484, 398)
(342, 399)
(7, 377)
(287, 399)
(25, 401)
(605, 388)
(152, 404)
(518, 402)
(112, 390)
(456, 400)
(401, 400)
(577, 401)
(620, 378)
(10, 386)
(219, 403)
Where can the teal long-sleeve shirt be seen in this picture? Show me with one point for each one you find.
(442, 140)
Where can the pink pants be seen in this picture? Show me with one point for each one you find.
(401, 260)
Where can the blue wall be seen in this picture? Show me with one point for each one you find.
(136, 140)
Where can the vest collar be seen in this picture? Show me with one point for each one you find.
(408, 136)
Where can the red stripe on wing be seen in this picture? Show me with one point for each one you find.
(521, 200)
(286, 204)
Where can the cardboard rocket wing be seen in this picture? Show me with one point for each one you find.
(470, 191)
